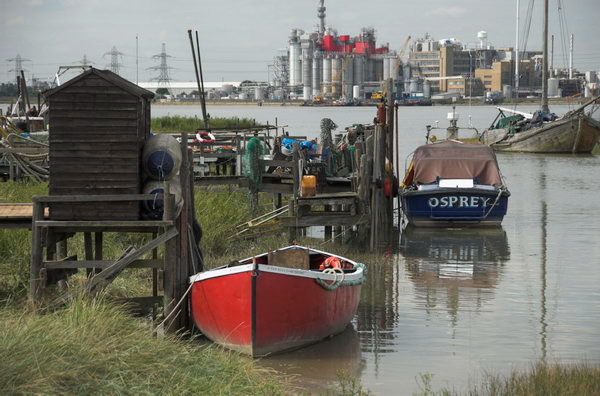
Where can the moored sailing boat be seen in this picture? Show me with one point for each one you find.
(575, 132)
(543, 132)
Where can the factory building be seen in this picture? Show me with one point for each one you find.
(333, 66)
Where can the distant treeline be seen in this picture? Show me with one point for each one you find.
(188, 124)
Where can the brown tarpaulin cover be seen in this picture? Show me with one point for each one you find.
(453, 160)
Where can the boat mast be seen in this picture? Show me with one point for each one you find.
(545, 108)
(517, 55)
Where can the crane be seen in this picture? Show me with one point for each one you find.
(398, 60)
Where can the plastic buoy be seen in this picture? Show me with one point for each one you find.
(154, 208)
(161, 158)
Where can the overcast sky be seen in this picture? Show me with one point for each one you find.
(239, 38)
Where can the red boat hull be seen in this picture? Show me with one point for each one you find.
(264, 309)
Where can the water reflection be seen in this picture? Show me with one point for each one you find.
(318, 365)
(448, 266)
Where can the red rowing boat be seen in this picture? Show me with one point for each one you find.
(276, 301)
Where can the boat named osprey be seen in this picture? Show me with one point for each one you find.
(451, 183)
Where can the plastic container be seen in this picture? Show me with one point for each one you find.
(308, 186)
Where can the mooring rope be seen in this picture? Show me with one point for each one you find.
(175, 309)
(343, 282)
(500, 191)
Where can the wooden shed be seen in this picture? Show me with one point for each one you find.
(98, 125)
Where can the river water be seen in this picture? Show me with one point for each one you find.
(456, 303)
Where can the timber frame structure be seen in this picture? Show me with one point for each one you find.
(51, 261)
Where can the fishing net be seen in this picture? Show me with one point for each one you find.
(253, 168)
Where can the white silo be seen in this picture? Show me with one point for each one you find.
(295, 62)
(336, 76)
(327, 68)
(306, 73)
(316, 73)
(386, 68)
(359, 69)
(259, 93)
(427, 89)
(370, 73)
(356, 92)
(347, 76)
(482, 36)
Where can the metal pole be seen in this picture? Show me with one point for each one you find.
(571, 56)
(200, 91)
(137, 80)
(545, 108)
(552, 56)
(206, 125)
(517, 54)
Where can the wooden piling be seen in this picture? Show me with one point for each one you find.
(36, 282)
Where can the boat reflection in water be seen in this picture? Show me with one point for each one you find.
(317, 366)
(454, 264)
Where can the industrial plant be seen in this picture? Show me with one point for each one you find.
(328, 65)
(325, 66)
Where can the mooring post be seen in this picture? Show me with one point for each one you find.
(61, 247)
(292, 214)
(170, 260)
(89, 253)
(276, 201)
(185, 225)
(327, 231)
(35, 278)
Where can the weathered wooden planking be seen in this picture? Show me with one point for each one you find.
(110, 106)
(114, 211)
(77, 184)
(93, 82)
(94, 198)
(330, 220)
(89, 97)
(141, 263)
(101, 155)
(98, 126)
(92, 168)
(99, 146)
(56, 122)
(93, 114)
(62, 138)
(109, 90)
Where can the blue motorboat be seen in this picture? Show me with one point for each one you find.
(450, 183)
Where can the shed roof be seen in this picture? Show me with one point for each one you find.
(109, 76)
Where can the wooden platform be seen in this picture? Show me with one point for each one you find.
(17, 215)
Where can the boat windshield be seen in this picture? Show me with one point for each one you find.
(455, 160)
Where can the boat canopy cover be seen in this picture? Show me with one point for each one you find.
(455, 160)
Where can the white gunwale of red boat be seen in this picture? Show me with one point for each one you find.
(260, 309)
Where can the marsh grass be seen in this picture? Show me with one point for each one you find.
(542, 379)
(189, 124)
(93, 347)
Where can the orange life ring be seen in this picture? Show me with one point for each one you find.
(330, 262)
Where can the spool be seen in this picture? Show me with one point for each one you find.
(161, 158)
(154, 209)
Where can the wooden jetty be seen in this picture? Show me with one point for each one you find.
(355, 196)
